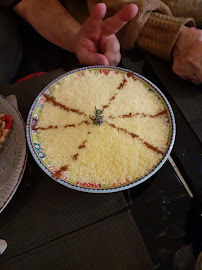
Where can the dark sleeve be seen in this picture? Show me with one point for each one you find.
(8, 3)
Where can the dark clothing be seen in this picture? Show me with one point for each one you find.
(10, 43)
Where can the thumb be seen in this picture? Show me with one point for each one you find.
(89, 58)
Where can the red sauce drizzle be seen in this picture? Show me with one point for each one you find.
(141, 114)
(34, 126)
(112, 98)
(129, 74)
(58, 104)
(133, 135)
(158, 114)
(82, 145)
(75, 157)
(84, 122)
(51, 127)
(121, 85)
(57, 174)
(70, 126)
(45, 128)
(127, 115)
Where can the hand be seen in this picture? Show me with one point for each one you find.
(187, 55)
(96, 42)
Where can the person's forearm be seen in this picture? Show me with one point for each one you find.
(51, 20)
(160, 32)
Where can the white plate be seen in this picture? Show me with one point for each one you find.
(13, 154)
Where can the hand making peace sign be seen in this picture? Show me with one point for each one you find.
(96, 42)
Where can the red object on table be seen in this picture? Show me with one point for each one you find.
(31, 76)
(8, 121)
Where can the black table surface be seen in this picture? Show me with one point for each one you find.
(161, 205)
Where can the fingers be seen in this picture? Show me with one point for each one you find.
(112, 51)
(114, 24)
(92, 24)
(94, 30)
(90, 58)
(113, 59)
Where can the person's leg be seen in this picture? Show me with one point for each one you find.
(10, 47)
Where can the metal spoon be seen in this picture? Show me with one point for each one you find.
(3, 246)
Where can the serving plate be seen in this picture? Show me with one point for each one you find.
(13, 154)
(43, 162)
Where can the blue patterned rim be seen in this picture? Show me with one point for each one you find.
(101, 190)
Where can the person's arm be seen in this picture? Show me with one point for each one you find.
(51, 20)
(155, 30)
(174, 39)
(187, 55)
(94, 43)
(159, 34)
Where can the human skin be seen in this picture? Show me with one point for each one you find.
(187, 55)
(94, 42)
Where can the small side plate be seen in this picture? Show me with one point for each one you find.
(13, 154)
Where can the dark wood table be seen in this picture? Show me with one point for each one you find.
(43, 227)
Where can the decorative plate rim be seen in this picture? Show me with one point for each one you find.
(2, 207)
(112, 189)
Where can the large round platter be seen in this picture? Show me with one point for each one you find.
(43, 162)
